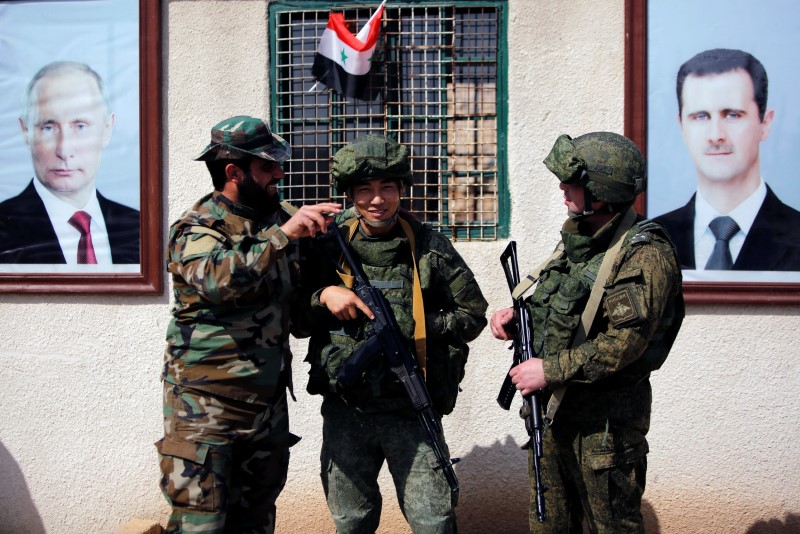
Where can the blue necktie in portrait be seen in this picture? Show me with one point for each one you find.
(723, 228)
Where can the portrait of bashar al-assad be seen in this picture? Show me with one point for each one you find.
(60, 216)
(734, 220)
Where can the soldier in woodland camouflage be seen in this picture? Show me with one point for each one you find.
(233, 260)
(372, 421)
(595, 450)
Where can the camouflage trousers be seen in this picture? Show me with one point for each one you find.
(354, 447)
(596, 475)
(223, 462)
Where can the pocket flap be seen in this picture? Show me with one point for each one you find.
(194, 452)
(607, 460)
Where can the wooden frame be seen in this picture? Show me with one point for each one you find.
(149, 278)
(636, 127)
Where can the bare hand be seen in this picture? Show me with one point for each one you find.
(528, 377)
(343, 303)
(311, 219)
(498, 323)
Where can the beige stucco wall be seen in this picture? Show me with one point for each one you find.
(79, 391)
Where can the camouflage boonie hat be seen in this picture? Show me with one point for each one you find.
(609, 165)
(243, 137)
(370, 157)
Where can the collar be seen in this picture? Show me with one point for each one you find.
(744, 214)
(240, 210)
(580, 247)
(58, 210)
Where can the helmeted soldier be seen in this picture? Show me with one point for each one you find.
(372, 420)
(622, 273)
(225, 451)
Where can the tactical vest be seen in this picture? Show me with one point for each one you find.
(387, 264)
(564, 288)
(557, 304)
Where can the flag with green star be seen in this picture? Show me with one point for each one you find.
(343, 60)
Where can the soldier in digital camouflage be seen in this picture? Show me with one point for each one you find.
(594, 460)
(373, 421)
(233, 259)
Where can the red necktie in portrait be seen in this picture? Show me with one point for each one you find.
(82, 221)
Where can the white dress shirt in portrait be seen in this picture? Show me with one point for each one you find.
(744, 214)
(68, 236)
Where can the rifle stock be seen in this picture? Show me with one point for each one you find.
(386, 338)
(531, 409)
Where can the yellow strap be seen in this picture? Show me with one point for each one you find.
(418, 307)
(344, 272)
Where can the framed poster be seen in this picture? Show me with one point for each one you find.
(80, 191)
(709, 98)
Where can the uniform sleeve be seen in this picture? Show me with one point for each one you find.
(458, 310)
(221, 267)
(628, 317)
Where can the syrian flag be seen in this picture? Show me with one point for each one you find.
(343, 60)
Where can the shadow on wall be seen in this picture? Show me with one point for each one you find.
(790, 525)
(17, 513)
(494, 489)
(495, 492)
(651, 525)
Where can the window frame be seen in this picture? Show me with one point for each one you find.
(499, 228)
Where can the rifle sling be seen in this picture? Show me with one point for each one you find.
(418, 308)
(592, 305)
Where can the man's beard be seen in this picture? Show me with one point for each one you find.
(254, 196)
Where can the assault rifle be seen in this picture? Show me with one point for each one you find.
(531, 409)
(386, 338)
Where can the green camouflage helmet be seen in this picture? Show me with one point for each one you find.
(244, 137)
(370, 157)
(609, 165)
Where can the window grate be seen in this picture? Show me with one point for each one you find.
(436, 75)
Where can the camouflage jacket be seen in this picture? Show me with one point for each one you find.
(454, 314)
(233, 274)
(637, 321)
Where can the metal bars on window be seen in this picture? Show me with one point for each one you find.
(436, 72)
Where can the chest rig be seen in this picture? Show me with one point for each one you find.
(390, 266)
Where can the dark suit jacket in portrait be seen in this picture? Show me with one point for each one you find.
(26, 235)
(773, 243)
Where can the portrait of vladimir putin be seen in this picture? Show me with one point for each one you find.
(61, 217)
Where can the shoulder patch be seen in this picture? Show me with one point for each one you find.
(622, 307)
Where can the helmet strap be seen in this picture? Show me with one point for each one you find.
(378, 224)
(588, 200)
